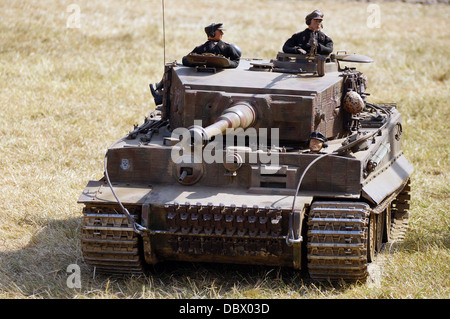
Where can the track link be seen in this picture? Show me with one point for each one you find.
(337, 241)
(109, 243)
(400, 215)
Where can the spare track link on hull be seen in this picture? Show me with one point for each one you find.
(109, 243)
(337, 240)
(225, 230)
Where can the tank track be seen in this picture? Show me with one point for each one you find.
(400, 215)
(109, 244)
(337, 240)
(337, 237)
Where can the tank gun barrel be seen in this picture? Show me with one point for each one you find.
(240, 115)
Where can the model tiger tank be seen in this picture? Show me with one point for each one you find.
(277, 162)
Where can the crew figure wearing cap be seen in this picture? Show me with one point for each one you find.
(215, 45)
(316, 142)
(299, 43)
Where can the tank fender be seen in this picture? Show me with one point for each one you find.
(389, 178)
(98, 192)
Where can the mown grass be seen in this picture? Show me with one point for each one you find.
(67, 94)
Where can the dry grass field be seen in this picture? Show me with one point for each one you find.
(74, 78)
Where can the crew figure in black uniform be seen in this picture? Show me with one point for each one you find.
(300, 42)
(214, 45)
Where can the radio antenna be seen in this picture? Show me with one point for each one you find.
(164, 31)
